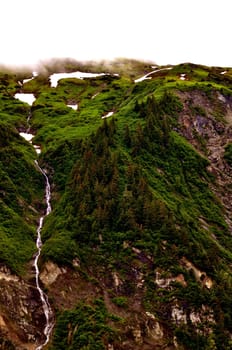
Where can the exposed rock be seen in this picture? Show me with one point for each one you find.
(164, 282)
(137, 335)
(76, 262)
(154, 329)
(215, 135)
(178, 315)
(117, 281)
(194, 317)
(2, 322)
(6, 275)
(21, 314)
(199, 275)
(50, 273)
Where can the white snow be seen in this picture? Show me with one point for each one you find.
(26, 80)
(182, 76)
(147, 75)
(28, 98)
(75, 107)
(34, 74)
(28, 137)
(94, 95)
(109, 114)
(37, 149)
(224, 72)
(54, 78)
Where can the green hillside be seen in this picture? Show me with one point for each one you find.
(141, 196)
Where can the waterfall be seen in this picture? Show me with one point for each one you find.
(46, 307)
(29, 98)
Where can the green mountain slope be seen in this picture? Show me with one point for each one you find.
(137, 251)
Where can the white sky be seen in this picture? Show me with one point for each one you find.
(163, 31)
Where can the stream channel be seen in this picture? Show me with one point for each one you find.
(49, 320)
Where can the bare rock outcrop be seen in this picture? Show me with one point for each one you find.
(21, 315)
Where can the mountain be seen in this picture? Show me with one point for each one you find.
(137, 250)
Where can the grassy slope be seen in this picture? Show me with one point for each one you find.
(21, 184)
(149, 186)
(131, 182)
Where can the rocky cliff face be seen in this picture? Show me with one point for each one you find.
(21, 315)
(141, 329)
(202, 124)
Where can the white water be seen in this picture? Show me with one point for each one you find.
(46, 306)
(44, 300)
(75, 107)
(28, 98)
(109, 114)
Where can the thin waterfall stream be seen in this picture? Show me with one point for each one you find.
(46, 306)
(49, 319)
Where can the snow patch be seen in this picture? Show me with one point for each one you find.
(26, 80)
(182, 76)
(109, 114)
(37, 149)
(28, 98)
(147, 76)
(75, 107)
(94, 95)
(54, 78)
(34, 74)
(28, 137)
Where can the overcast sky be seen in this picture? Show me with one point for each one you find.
(162, 31)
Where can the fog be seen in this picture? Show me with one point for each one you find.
(162, 31)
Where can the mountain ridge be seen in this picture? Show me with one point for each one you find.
(137, 250)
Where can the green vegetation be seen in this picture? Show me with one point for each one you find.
(130, 195)
(21, 186)
(84, 328)
(228, 153)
